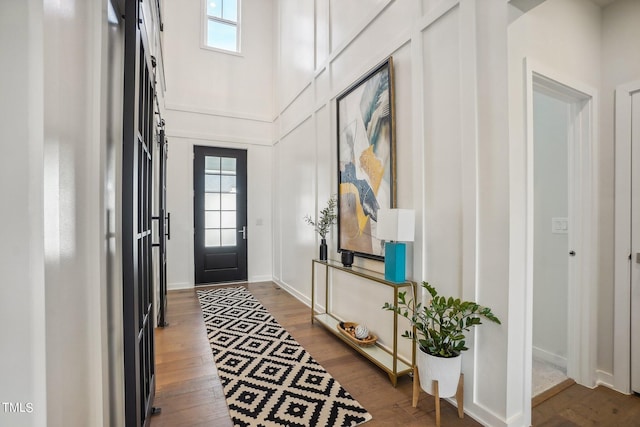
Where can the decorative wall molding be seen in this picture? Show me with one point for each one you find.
(402, 38)
(292, 128)
(217, 137)
(326, 84)
(367, 21)
(293, 100)
(436, 13)
(335, 53)
(218, 113)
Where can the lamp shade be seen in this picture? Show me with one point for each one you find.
(396, 225)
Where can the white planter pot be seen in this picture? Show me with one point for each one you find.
(445, 370)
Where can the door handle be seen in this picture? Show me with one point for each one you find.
(168, 233)
(572, 253)
(244, 232)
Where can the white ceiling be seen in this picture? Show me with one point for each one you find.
(603, 3)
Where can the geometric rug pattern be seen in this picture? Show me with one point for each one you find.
(269, 379)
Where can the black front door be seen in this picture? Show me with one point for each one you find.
(220, 214)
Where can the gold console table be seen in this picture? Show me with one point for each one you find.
(385, 359)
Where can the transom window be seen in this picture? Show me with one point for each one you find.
(222, 24)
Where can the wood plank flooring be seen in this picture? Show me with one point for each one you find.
(190, 394)
(580, 406)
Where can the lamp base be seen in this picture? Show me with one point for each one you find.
(395, 255)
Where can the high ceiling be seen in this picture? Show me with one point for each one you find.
(603, 3)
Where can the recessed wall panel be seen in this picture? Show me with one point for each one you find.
(381, 38)
(443, 154)
(347, 17)
(297, 198)
(298, 111)
(297, 49)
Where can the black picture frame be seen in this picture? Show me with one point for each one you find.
(366, 159)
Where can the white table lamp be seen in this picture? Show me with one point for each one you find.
(395, 226)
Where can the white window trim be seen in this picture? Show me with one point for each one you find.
(203, 36)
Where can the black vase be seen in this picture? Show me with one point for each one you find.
(323, 250)
(347, 258)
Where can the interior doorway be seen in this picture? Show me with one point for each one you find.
(551, 121)
(561, 225)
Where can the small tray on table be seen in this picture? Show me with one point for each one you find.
(348, 329)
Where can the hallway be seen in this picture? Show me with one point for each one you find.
(190, 394)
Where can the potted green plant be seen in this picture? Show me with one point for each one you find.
(326, 219)
(440, 327)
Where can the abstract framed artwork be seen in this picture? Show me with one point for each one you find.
(366, 159)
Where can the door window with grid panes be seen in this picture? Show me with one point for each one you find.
(220, 201)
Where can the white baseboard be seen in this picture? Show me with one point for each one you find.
(178, 286)
(264, 278)
(294, 292)
(186, 285)
(547, 356)
(487, 417)
(605, 379)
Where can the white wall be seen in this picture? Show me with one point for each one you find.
(457, 167)
(54, 160)
(68, 221)
(204, 80)
(595, 47)
(305, 147)
(451, 65)
(223, 100)
(60, 250)
(180, 265)
(22, 294)
(572, 27)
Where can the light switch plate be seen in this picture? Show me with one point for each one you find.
(560, 225)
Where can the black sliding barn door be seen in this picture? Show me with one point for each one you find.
(137, 292)
(164, 227)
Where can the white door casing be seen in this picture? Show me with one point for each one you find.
(582, 150)
(626, 365)
(635, 236)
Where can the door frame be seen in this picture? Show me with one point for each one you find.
(622, 241)
(245, 258)
(582, 325)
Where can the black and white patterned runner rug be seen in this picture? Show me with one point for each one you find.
(269, 379)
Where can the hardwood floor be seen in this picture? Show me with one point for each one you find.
(580, 406)
(189, 392)
(188, 388)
